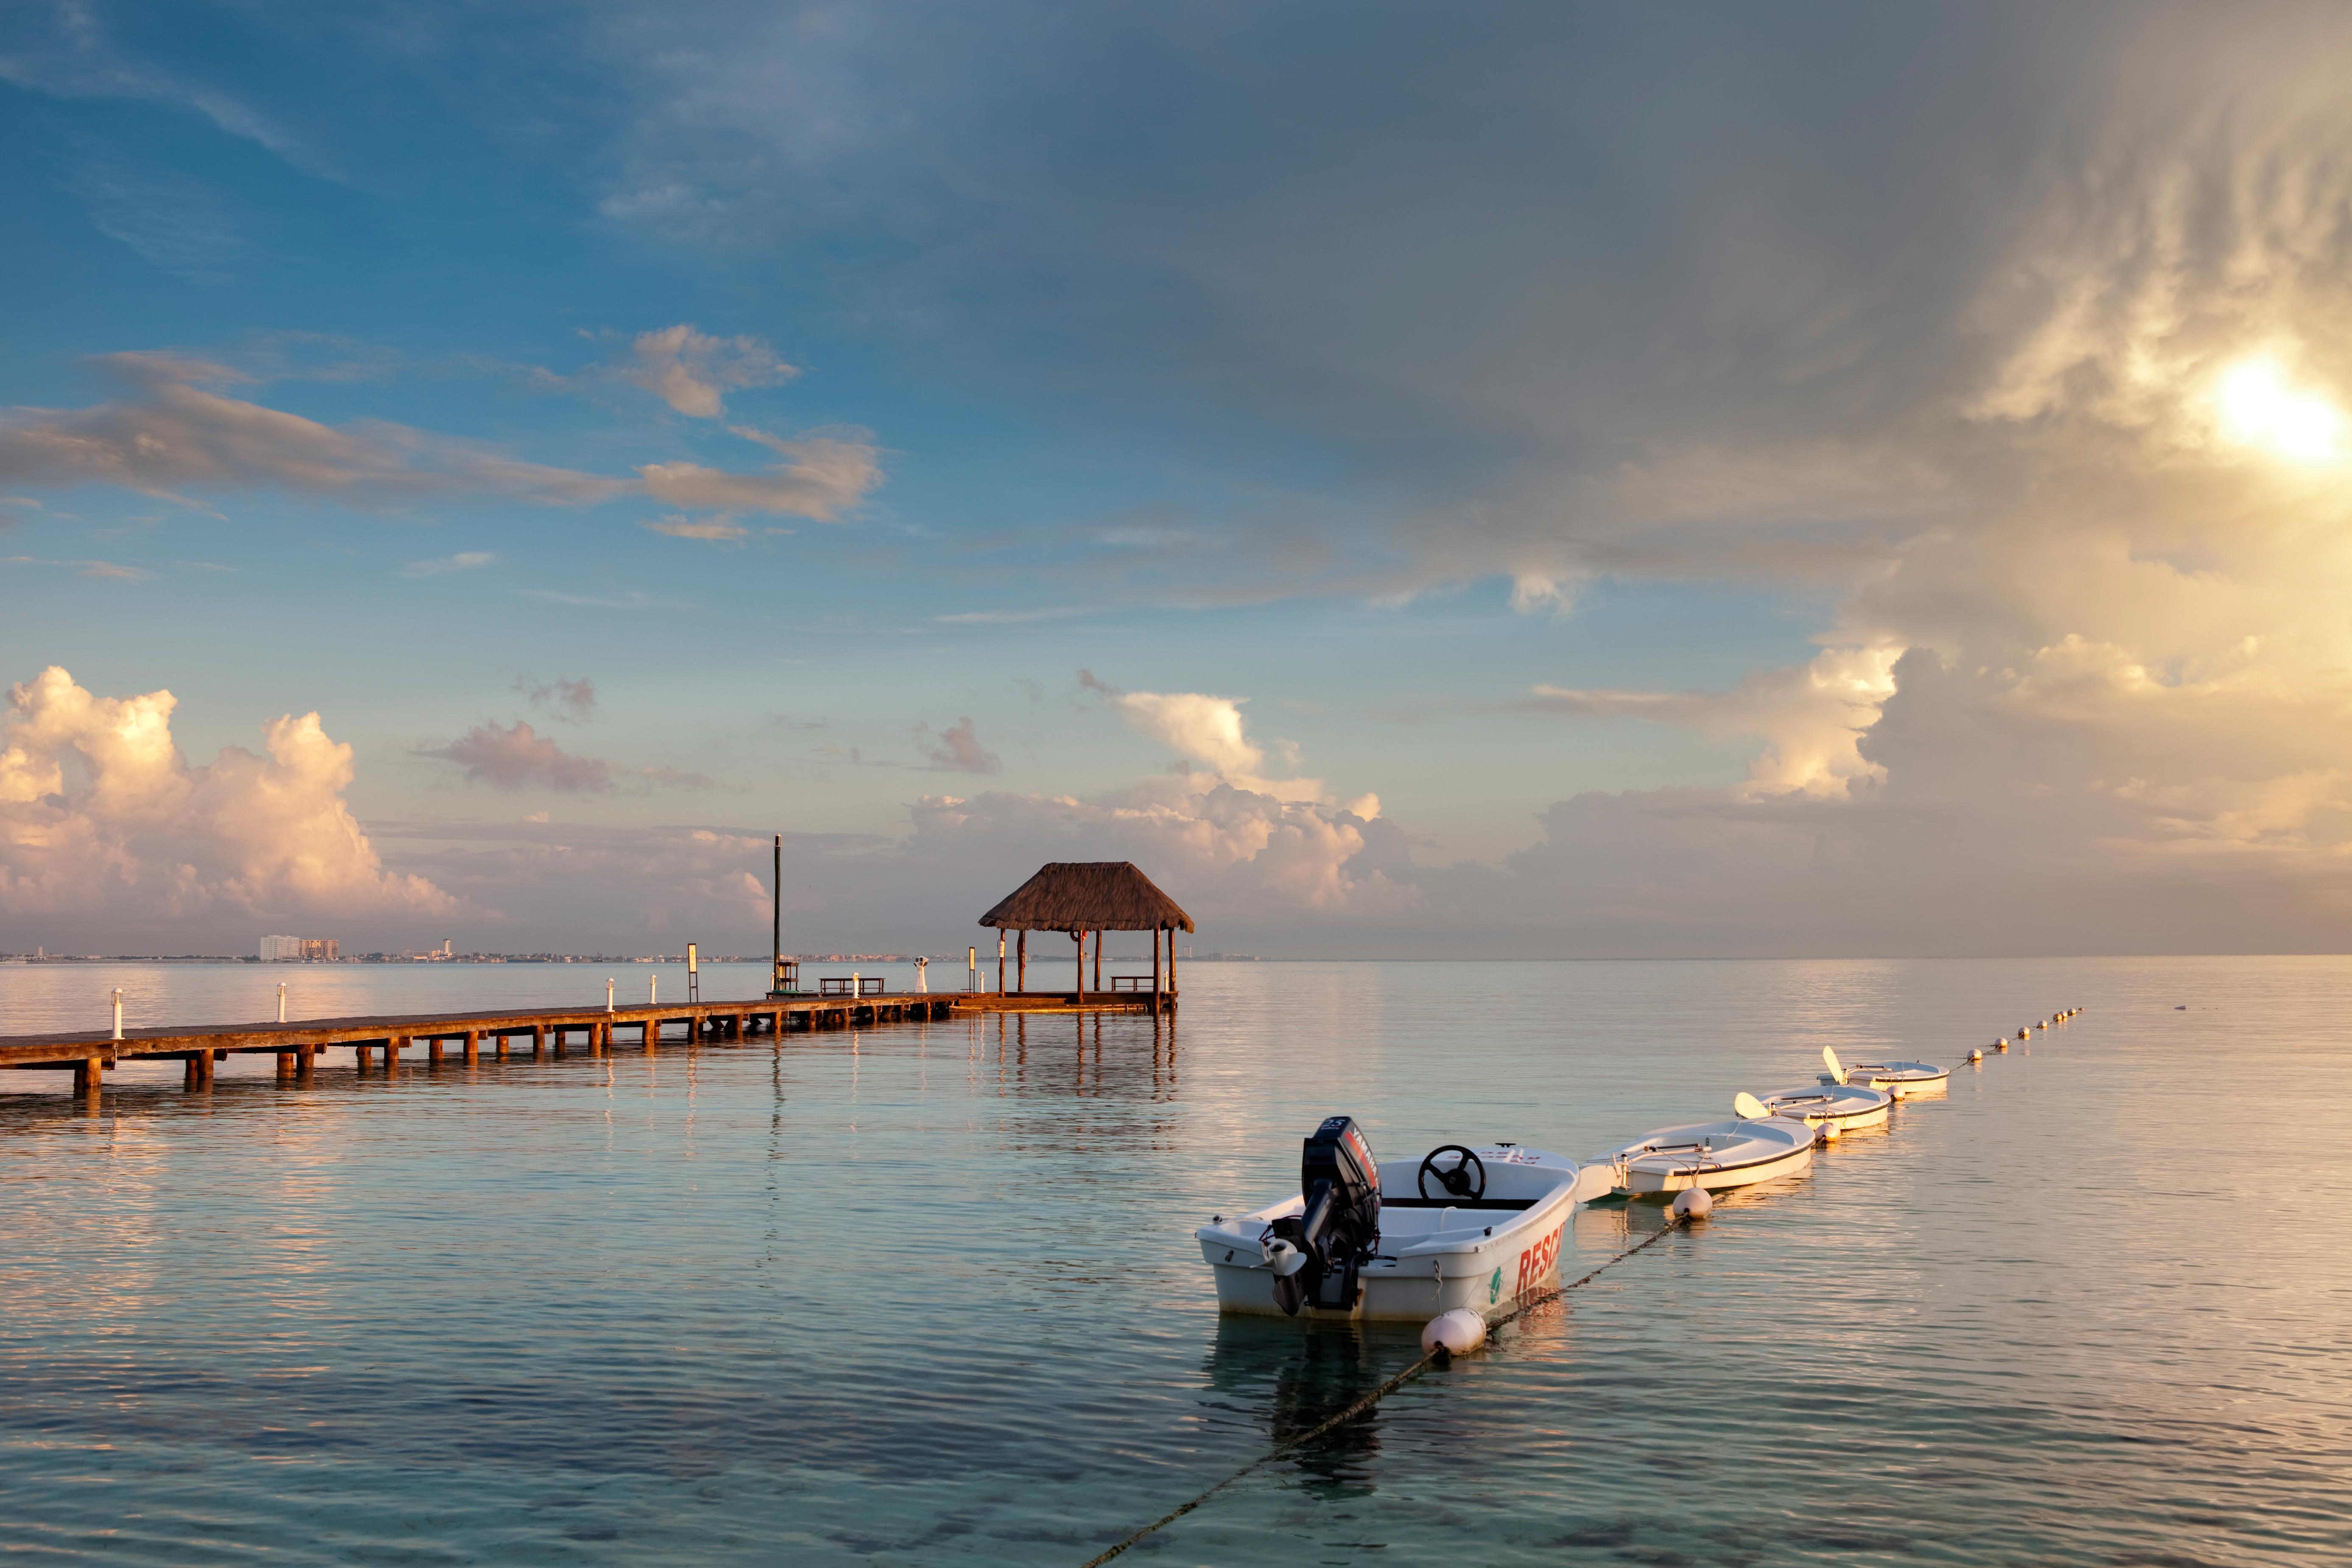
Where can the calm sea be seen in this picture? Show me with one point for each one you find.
(928, 1294)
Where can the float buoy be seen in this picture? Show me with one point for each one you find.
(2000, 1045)
(1457, 1332)
(1976, 1056)
(1691, 1203)
(1827, 1132)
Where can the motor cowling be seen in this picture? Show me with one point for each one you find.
(1315, 1253)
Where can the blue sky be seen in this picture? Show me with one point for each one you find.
(1463, 416)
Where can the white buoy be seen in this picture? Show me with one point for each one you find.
(1976, 1056)
(2000, 1045)
(1828, 1132)
(1691, 1203)
(1457, 1332)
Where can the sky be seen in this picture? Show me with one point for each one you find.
(1548, 480)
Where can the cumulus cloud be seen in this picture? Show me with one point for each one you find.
(692, 371)
(957, 748)
(176, 430)
(1810, 718)
(104, 816)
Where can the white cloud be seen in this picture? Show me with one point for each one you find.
(691, 370)
(102, 816)
(1810, 718)
(821, 477)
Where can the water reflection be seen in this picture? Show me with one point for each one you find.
(1287, 1378)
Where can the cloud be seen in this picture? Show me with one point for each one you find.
(1194, 725)
(718, 530)
(74, 59)
(177, 431)
(464, 560)
(690, 371)
(105, 819)
(822, 476)
(1810, 718)
(517, 758)
(958, 748)
(572, 699)
(84, 568)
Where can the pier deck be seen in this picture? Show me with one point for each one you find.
(296, 1044)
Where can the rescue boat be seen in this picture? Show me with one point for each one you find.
(1403, 1240)
(1904, 1081)
(1712, 1155)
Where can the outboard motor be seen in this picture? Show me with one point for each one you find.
(1315, 1254)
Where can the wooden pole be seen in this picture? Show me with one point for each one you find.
(1024, 980)
(1079, 936)
(1155, 969)
(85, 1075)
(473, 1046)
(1172, 965)
(1098, 936)
(999, 960)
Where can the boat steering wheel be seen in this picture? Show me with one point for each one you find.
(1466, 1178)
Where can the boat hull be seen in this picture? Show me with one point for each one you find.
(1640, 1183)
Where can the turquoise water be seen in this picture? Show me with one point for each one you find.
(927, 1293)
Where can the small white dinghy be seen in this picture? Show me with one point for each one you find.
(1844, 1106)
(1406, 1240)
(1904, 1081)
(1712, 1154)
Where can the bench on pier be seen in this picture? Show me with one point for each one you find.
(839, 985)
(1134, 983)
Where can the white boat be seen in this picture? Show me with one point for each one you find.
(1712, 1154)
(1904, 1081)
(1405, 1241)
(1844, 1106)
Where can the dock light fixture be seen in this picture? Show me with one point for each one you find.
(281, 1001)
(608, 993)
(117, 1011)
(653, 990)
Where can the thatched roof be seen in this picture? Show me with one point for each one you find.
(1088, 895)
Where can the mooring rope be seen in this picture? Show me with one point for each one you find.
(1369, 1400)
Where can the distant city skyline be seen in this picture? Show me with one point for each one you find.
(1562, 482)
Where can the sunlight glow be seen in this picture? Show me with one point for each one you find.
(2259, 409)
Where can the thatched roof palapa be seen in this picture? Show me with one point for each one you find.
(1088, 895)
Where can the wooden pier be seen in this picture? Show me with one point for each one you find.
(440, 1037)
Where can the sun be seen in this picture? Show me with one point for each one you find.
(2260, 408)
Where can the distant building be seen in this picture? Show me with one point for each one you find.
(322, 949)
(296, 949)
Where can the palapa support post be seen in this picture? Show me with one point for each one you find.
(1025, 962)
(1000, 963)
(1098, 936)
(1155, 969)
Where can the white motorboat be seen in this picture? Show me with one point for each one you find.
(1712, 1155)
(1904, 1081)
(1844, 1106)
(1405, 1241)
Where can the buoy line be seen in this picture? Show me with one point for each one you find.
(1367, 1401)
(1678, 1217)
